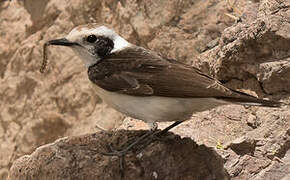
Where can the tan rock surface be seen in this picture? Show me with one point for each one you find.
(252, 55)
(79, 158)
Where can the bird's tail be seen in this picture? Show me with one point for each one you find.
(246, 99)
(252, 101)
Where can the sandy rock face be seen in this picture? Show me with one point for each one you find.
(251, 55)
(79, 158)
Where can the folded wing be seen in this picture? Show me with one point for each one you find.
(139, 72)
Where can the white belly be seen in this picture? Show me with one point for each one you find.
(156, 108)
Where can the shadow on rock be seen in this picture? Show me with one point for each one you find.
(171, 157)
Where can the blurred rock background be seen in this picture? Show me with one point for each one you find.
(245, 44)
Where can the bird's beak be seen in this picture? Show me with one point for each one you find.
(61, 42)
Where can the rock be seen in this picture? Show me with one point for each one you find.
(251, 55)
(242, 146)
(281, 167)
(79, 158)
(257, 50)
(252, 121)
(37, 109)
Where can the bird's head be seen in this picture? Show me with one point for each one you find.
(92, 42)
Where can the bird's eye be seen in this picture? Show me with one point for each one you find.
(91, 38)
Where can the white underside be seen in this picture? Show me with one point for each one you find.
(154, 108)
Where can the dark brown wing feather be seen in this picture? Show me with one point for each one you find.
(139, 72)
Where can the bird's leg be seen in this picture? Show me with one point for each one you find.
(168, 128)
(158, 134)
(153, 128)
(121, 154)
(144, 137)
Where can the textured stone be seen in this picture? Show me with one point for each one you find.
(80, 158)
(250, 55)
(257, 49)
(242, 146)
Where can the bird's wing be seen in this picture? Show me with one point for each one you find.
(139, 72)
(136, 71)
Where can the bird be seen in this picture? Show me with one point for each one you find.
(144, 84)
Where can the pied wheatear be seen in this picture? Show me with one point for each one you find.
(144, 84)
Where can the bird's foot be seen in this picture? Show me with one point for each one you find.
(113, 152)
(142, 142)
(123, 152)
